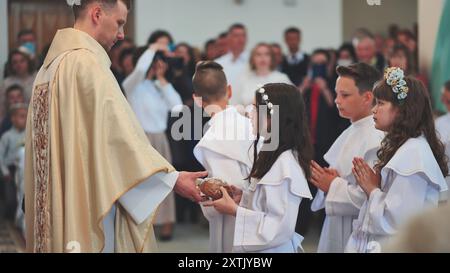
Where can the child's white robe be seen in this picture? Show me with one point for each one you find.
(411, 182)
(345, 197)
(225, 152)
(267, 215)
(443, 128)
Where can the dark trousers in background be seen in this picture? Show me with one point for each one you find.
(183, 159)
(8, 197)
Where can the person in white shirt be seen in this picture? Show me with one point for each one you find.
(262, 71)
(20, 189)
(10, 143)
(152, 101)
(409, 174)
(339, 193)
(266, 211)
(158, 41)
(224, 149)
(443, 128)
(236, 60)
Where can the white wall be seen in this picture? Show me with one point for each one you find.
(195, 21)
(3, 36)
(377, 18)
(429, 19)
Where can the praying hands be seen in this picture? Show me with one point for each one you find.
(322, 177)
(367, 178)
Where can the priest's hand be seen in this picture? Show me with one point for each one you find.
(225, 205)
(322, 177)
(186, 186)
(367, 178)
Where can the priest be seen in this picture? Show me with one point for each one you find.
(93, 181)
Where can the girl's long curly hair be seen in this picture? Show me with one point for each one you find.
(414, 118)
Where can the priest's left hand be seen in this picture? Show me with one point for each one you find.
(367, 178)
(186, 186)
(225, 205)
(322, 177)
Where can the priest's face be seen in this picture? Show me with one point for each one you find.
(111, 25)
(384, 114)
(351, 104)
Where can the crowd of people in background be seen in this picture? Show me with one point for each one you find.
(164, 64)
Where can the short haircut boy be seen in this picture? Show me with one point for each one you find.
(364, 75)
(209, 81)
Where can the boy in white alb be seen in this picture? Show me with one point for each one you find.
(224, 149)
(339, 194)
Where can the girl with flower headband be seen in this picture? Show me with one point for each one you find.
(267, 212)
(411, 167)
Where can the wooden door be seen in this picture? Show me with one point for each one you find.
(45, 17)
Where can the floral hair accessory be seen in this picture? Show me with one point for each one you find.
(395, 78)
(73, 2)
(265, 98)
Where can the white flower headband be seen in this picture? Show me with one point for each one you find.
(265, 98)
(395, 78)
(73, 2)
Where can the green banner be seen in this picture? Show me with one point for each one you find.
(441, 61)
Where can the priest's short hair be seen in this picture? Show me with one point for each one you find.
(79, 9)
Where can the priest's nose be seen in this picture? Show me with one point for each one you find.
(120, 36)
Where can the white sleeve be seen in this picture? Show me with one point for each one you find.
(138, 104)
(171, 97)
(344, 198)
(143, 199)
(271, 227)
(3, 152)
(318, 202)
(139, 72)
(388, 210)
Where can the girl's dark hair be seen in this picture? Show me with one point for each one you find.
(190, 66)
(159, 34)
(414, 118)
(9, 66)
(293, 134)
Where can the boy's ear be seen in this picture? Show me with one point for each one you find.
(229, 92)
(368, 96)
(197, 100)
